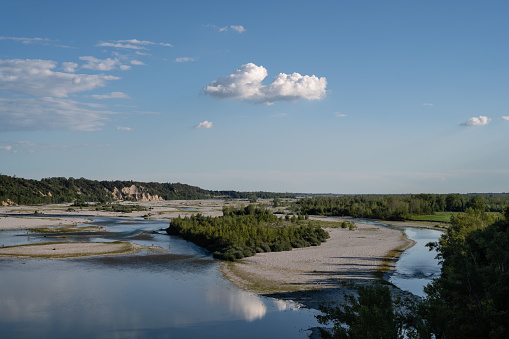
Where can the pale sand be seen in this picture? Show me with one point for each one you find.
(69, 250)
(348, 258)
(9, 223)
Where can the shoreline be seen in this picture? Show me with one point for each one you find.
(311, 276)
(319, 275)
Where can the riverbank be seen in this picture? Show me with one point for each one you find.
(322, 274)
(69, 250)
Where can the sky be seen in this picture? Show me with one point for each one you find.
(346, 97)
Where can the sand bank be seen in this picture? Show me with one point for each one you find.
(69, 250)
(320, 274)
(18, 222)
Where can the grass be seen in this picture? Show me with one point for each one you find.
(437, 217)
(444, 217)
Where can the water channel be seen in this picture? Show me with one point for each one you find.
(176, 295)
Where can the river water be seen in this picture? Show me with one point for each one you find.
(177, 295)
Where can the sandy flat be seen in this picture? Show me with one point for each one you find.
(68, 250)
(9, 223)
(349, 257)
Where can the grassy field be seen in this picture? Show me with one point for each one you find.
(440, 216)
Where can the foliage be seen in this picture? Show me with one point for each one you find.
(371, 314)
(244, 232)
(120, 208)
(399, 207)
(471, 297)
(81, 191)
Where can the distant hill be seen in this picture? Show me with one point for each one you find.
(21, 191)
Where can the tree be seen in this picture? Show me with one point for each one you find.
(370, 315)
(471, 297)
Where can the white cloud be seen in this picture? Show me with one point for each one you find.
(477, 121)
(236, 28)
(43, 41)
(132, 44)
(112, 95)
(6, 147)
(239, 29)
(205, 124)
(280, 115)
(36, 77)
(103, 64)
(44, 114)
(185, 59)
(505, 118)
(122, 128)
(137, 62)
(340, 115)
(246, 84)
(430, 105)
(69, 67)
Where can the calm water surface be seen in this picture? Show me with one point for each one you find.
(179, 295)
(417, 266)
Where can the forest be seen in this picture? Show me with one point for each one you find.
(246, 231)
(470, 299)
(399, 207)
(65, 190)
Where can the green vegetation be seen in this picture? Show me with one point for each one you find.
(244, 232)
(61, 190)
(469, 300)
(400, 207)
(119, 208)
(370, 315)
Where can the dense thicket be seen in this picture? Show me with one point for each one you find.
(59, 190)
(400, 207)
(243, 232)
(470, 299)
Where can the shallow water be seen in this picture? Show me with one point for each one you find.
(178, 295)
(417, 266)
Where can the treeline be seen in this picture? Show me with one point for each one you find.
(244, 232)
(470, 299)
(61, 190)
(400, 207)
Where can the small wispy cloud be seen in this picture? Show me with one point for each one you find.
(123, 128)
(477, 121)
(505, 118)
(5, 147)
(236, 28)
(132, 44)
(205, 124)
(239, 29)
(339, 114)
(428, 105)
(280, 115)
(108, 64)
(112, 95)
(185, 59)
(35, 41)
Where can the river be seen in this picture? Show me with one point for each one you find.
(177, 295)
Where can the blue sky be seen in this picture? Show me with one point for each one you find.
(286, 96)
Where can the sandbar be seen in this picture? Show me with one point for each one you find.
(69, 250)
(321, 274)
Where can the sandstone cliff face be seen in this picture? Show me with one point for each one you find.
(135, 193)
(9, 202)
